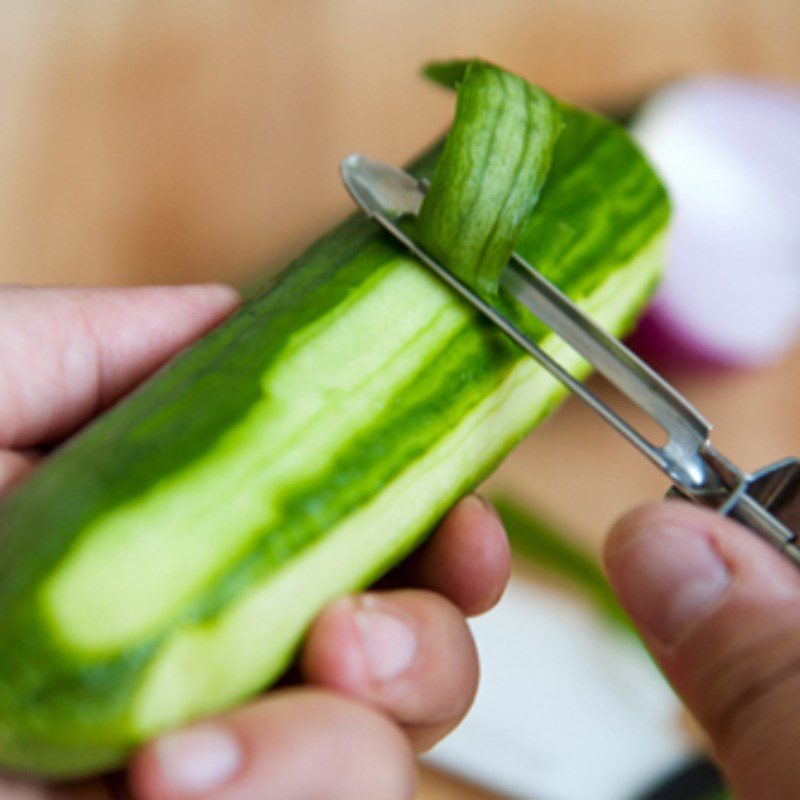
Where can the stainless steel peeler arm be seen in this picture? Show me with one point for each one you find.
(767, 502)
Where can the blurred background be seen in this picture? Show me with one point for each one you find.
(185, 141)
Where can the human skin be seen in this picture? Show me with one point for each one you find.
(382, 675)
(717, 607)
(719, 610)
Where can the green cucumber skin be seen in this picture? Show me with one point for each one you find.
(470, 219)
(66, 712)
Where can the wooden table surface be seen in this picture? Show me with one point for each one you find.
(175, 141)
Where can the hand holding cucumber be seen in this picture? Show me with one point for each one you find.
(386, 673)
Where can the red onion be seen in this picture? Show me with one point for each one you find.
(729, 152)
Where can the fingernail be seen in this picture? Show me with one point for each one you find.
(478, 500)
(389, 642)
(670, 579)
(199, 760)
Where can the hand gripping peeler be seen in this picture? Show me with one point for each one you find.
(767, 501)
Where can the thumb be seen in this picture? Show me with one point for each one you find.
(719, 610)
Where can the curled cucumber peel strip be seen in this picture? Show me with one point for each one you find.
(491, 171)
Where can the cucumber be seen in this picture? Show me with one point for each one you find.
(471, 218)
(165, 563)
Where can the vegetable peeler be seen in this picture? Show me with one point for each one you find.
(767, 501)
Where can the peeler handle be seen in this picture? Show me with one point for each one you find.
(767, 502)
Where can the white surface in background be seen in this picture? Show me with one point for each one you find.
(568, 708)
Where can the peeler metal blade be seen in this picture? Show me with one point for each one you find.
(768, 502)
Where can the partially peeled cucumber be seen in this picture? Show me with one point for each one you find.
(166, 562)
